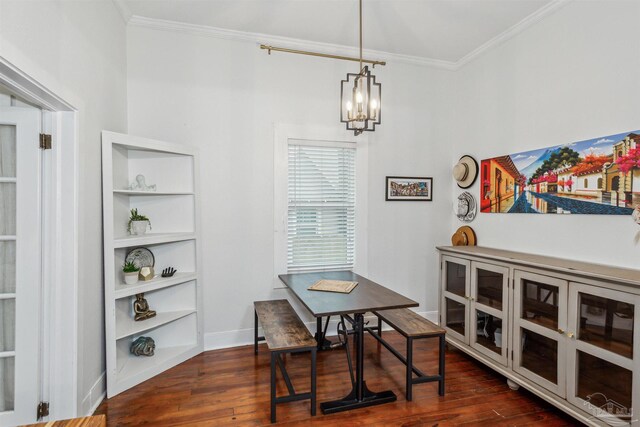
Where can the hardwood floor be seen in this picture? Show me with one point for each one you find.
(231, 387)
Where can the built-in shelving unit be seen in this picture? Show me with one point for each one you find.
(173, 240)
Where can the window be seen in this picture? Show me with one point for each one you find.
(600, 183)
(586, 183)
(321, 205)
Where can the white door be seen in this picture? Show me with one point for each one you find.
(20, 264)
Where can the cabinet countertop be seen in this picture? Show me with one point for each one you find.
(600, 271)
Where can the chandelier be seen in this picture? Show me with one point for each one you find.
(360, 97)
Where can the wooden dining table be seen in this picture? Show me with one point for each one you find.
(367, 296)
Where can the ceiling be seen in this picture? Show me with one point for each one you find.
(445, 30)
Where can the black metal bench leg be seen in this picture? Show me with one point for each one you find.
(273, 387)
(409, 368)
(255, 332)
(441, 367)
(313, 382)
(379, 326)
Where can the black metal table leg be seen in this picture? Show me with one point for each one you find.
(323, 342)
(255, 332)
(441, 366)
(360, 396)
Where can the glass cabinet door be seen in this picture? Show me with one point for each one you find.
(602, 346)
(455, 297)
(539, 325)
(489, 301)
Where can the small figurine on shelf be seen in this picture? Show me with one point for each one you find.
(168, 272)
(143, 346)
(141, 308)
(146, 273)
(141, 185)
(130, 273)
(138, 223)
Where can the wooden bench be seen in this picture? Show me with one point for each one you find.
(412, 326)
(284, 333)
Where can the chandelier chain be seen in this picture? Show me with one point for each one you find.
(360, 35)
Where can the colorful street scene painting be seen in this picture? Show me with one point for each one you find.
(596, 176)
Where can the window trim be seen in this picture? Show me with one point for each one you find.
(331, 136)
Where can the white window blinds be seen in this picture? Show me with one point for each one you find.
(321, 206)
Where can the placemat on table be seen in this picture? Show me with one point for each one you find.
(333, 286)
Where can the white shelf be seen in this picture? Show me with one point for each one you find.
(126, 327)
(174, 240)
(153, 193)
(143, 366)
(151, 239)
(123, 290)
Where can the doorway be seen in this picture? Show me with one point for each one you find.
(38, 246)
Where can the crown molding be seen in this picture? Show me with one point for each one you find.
(287, 42)
(511, 32)
(335, 49)
(124, 10)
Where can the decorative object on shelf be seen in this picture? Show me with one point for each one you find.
(143, 346)
(409, 189)
(141, 308)
(498, 337)
(140, 184)
(141, 257)
(464, 236)
(466, 208)
(146, 273)
(465, 171)
(130, 271)
(636, 215)
(593, 176)
(138, 223)
(360, 97)
(168, 272)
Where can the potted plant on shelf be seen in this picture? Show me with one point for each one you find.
(130, 273)
(138, 223)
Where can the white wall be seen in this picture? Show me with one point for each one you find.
(224, 97)
(77, 50)
(411, 142)
(570, 77)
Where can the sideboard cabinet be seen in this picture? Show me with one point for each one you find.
(566, 330)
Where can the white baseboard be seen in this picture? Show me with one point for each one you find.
(240, 337)
(95, 396)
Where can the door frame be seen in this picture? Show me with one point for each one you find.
(60, 242)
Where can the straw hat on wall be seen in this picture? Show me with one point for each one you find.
(464, 236)
(465, 171)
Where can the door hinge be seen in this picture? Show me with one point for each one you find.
(43, 410)
(45, 141)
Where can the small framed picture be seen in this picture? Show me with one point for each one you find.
(409, 189)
